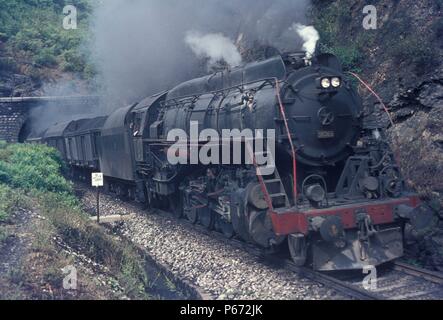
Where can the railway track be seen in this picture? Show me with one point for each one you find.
(402, 281)
(395, 281)
(343, 287)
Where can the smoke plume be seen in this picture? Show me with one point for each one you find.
(144, 47)
(49, 113)
(214, 46)
(310, 37)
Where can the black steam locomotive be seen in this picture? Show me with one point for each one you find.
(335, 195)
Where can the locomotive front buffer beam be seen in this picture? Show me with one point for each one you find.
(354, 236)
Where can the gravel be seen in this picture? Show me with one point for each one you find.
(220, 269)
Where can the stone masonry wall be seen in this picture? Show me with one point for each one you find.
(14, 116)
(12, 119)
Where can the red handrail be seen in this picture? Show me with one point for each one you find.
(375, 95)
(293, 151)
(396, 144)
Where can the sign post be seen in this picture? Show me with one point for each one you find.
(98, 181)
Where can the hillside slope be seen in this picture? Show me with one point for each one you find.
(402, 61)
(35, 49)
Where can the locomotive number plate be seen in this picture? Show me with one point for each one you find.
(326, 134)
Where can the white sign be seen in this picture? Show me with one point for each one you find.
(97, 179)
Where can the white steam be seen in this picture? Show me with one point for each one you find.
(310, 37)
(139, 46)
(214, 46)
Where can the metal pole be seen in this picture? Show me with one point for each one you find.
(98, 205)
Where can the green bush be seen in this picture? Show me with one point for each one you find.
(33, 28)
(33, 167)
(46, 58)
(73, 61)
(330, 20)
(350, 56)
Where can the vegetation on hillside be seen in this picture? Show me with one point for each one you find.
(34, 36)
(329, 20)
(32, 167)
(31, 179)
(339, 23)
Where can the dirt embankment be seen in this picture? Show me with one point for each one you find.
(49, 253)
(50, 248)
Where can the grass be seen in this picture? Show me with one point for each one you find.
(32, 174)
(9, 200)
(65, 219)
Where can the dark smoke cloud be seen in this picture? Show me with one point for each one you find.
(140, 47)
(50, 113)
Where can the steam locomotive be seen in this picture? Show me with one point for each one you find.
(335, 197)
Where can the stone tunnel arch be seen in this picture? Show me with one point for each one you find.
(24, 132)
(15, 120)
(12, 119)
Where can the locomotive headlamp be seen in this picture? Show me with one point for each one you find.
(336, 82)
(316, 193)
(325, 83)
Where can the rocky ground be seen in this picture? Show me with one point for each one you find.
(223, 271)
(29, 272)
(419, 116)
(33, 255)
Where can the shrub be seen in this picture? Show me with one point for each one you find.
(46, 58)
(34, 167)
(32, 28)
(73, 61)
(330, 20)
(8, 201)
(350, 56)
